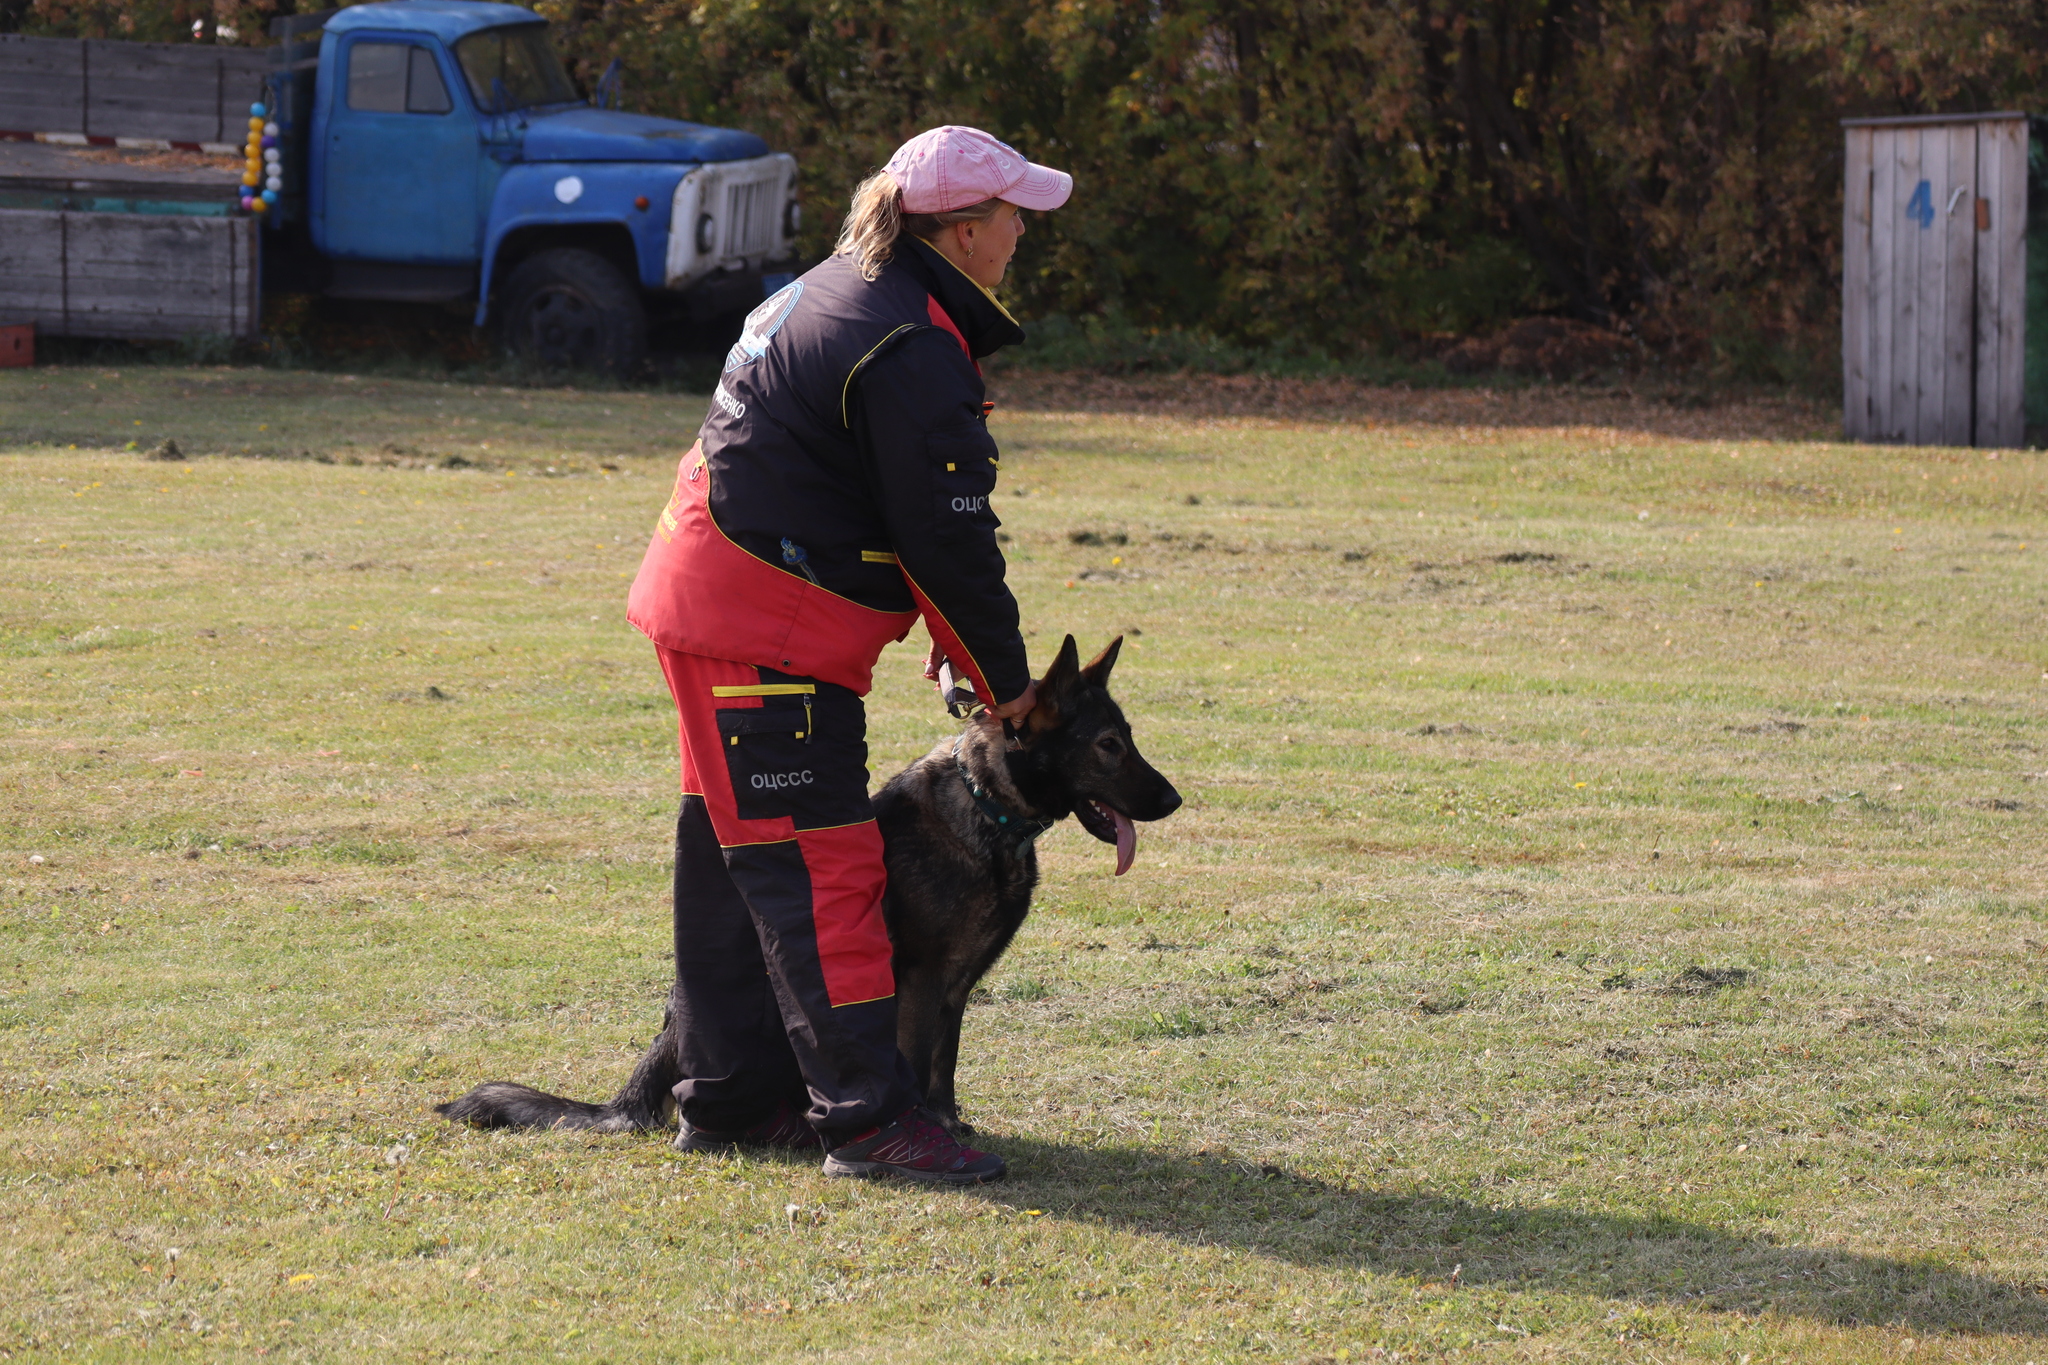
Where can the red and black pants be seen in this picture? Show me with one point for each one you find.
(784, 988)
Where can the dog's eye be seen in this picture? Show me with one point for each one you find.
(1111, 745)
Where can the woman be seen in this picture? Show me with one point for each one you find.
(838, 491)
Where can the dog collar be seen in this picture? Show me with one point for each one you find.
(1023, 829)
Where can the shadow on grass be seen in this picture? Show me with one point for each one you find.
(1648, 1260)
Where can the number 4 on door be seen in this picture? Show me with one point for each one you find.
(1921, 206)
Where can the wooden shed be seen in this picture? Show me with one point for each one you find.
(1936, 292)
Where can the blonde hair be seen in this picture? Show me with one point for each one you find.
(877, 219)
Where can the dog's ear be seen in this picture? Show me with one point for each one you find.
(1096, 672)
(1056, 689)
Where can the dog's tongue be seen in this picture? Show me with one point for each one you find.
(1126, 842)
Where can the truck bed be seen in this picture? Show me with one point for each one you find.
(100, 242)
(43, 175)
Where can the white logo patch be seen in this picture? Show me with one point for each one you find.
(762, 324)
(969, 504)
(569, 188)
(733, 406)
(776, 781)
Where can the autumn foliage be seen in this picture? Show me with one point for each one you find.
(1339, 176)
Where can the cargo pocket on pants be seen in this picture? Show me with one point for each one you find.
(797, 762)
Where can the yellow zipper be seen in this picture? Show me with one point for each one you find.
(804, 690)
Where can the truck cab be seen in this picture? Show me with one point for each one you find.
(436, 150)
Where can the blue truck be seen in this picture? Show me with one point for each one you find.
(431, 151)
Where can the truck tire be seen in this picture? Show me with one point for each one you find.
(570, 309)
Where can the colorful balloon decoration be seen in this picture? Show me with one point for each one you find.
(263, 168)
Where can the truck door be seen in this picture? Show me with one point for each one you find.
(400, 180)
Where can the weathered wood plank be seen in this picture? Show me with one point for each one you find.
(129, 275)
(192, 287)
(1929, 259)
(175, 91)
(1956, 232)
(2011, 236)
(40, 88)
(1990, 190)
(1904, 286)
(1884, 170)
(31, 268)
(1856, 285)
(2001, 285)
(182, 94)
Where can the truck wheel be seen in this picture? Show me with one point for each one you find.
(570, 309)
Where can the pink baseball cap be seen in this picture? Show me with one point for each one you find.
(942, 169)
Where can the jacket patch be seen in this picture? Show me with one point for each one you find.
(965, 473)
(762, 325)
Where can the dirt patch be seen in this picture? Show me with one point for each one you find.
(1641, 407)
(1558, 348)
(1701, 980)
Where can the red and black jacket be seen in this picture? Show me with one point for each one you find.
(840, 485)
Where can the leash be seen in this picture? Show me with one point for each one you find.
(963, 704)
(1020, 828)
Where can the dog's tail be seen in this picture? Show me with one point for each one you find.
(645, 1102)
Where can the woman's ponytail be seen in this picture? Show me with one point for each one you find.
(872, 225)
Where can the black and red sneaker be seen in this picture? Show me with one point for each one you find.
(914, 1146)
(785, 1128)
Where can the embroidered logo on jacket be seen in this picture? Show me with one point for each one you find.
(762, 324)
(775, 781)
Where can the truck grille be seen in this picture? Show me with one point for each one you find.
(728, 216)
(750, 217)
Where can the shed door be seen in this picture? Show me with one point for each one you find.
(1933, 296)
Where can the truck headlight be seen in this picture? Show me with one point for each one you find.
(704, 236)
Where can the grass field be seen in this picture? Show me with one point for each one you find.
(1609, 920)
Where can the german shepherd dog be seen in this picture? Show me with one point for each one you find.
(959, 828)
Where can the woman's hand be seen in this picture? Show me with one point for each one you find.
(1019, 705)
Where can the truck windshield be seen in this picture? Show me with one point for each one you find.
(521, 58)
